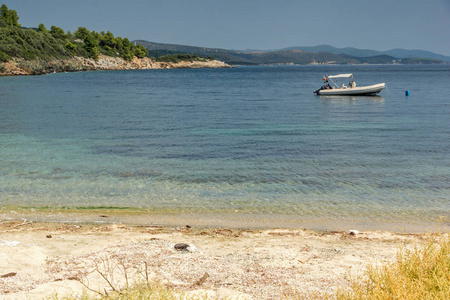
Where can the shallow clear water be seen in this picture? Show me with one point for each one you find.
(251, 140)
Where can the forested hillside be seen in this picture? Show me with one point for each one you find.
(41, 43)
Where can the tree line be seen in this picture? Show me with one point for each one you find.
(33, 43)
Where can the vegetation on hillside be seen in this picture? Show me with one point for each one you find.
(41, 43)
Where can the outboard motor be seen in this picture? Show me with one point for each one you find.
(323, 87)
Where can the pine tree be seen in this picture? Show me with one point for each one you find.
(9, 17)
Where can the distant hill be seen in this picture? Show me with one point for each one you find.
(330, 49)
(294, 55)
(236, 57)
(228, 56)
(402, 53)
(397, 53)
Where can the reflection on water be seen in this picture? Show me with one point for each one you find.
(351, 99)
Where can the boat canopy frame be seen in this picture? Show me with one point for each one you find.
(339, 76)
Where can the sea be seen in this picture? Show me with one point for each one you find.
(250, 146)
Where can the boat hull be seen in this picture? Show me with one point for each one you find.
(370, 90)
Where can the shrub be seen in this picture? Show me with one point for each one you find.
(4, 57)
(71, 47)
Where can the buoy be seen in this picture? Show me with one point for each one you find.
(406, 93)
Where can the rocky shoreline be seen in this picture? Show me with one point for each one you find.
(17, 67)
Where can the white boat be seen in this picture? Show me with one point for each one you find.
(350, 90)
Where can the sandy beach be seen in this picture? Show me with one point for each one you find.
(38, 260)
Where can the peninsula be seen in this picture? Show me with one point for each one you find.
(35, 51)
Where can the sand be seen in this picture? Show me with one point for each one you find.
(39, 260)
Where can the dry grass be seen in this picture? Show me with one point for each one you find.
(147, 291)
(138, 291)
(421, 272)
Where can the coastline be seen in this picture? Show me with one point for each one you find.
(237, 220)
(48, 258)
(18, 67)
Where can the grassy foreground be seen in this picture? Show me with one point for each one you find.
(421, 271)
(138, 292)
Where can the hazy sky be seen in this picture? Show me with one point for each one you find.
(254, 24)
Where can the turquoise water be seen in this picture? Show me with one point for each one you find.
(249, 140)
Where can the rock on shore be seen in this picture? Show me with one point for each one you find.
(76, 64)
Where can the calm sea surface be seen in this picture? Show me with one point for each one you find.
(250, 141)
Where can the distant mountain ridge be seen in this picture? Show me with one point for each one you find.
(397, 53)
(324, 54)
(228, 56)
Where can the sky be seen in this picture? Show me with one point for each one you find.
(254, 24)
